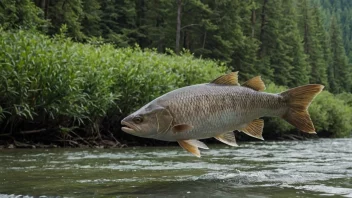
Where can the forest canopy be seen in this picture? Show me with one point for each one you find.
(288, 42)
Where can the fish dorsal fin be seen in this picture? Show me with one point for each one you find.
(227, 79)
(179, 128)
(254, 129)
(227, 138)
(255, 83)
(192, 146)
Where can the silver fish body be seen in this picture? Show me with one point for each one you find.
(218, 108)
(213, 109)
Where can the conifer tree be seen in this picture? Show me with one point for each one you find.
(91, 18)
(313, 37)
(281, 49)
(20, 14)
(292, 38)
(62, 12)
(226, 39)
(340, 72)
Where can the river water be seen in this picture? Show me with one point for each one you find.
(313, 168)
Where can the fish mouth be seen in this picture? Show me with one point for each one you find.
(128, 128)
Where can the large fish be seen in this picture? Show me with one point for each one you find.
(218, 108)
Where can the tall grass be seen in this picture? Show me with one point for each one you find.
(62, 85)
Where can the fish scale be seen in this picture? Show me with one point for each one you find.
(213, 110)
(216, 109)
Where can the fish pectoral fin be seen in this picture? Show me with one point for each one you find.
(255, 83)
(179, 128)
(227, 79)
(192, 146)
(254, 129)
(227, 138)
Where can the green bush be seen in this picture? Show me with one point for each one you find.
(57, 83)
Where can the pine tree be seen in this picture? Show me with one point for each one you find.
(221, 35)
(340, 71)
(62, 12)
(281, 49)
(91, 18)
(157, 20)
(313, 37)
(20, 14)
(109, 25)
(295, 50)
(119, 22)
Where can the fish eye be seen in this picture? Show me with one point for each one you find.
(137, 119)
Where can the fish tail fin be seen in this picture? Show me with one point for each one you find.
(299, 99)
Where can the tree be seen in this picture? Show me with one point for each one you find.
(310, 26)
(91, 18)
(63, 12)
(281, 49)
(178, 27)
(23, 14)
(340, 71)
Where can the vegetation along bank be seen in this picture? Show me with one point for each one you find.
(70, 70)
(54, 90)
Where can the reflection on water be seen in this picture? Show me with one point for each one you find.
(259, 169)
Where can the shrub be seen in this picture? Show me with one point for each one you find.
(57, 83)
(65, 86)
(331, 114)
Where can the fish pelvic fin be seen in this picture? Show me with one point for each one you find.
(255, 83)
(227, 138)
(254, 129)
(298, 100)
(192, 146)
(227, 79)
(179, 128)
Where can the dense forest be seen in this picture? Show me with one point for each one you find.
(288, 43)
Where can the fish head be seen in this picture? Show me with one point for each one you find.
(148, 121)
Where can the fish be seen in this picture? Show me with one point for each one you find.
(218, 108)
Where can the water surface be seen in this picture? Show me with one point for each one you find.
(312, 168)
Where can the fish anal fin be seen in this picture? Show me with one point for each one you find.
(197, 143)
(179, 128)
(255, 83)
(227, 79)
(192, 146)
(227, 138)
(254, 129)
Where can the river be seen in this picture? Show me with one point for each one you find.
(313, 168)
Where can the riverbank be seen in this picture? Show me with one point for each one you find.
(113, 142)
(54, 91)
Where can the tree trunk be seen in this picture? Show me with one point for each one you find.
(262, 29)
(178, 28)
(43, 4)
(306, 29)
(253, 18)
(46, 9)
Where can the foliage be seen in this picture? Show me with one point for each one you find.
(291, 43)
(310, 23)
(60, 83)
(20, 14)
